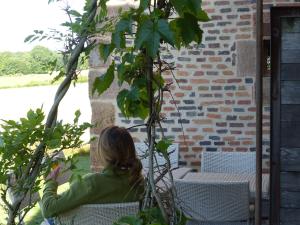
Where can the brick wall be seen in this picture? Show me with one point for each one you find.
(213, 104)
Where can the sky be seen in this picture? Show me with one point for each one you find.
(18, 19)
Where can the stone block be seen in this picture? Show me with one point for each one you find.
(246, 58)
(95, 163)
(103, 115)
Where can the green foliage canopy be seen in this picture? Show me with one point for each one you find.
(39, 60)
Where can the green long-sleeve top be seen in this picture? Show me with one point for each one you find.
(110, 186)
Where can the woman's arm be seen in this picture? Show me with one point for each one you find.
(79, 193)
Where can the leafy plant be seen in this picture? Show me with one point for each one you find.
(137, 37)
(25, 144)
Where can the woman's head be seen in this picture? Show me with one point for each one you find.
(116, 148)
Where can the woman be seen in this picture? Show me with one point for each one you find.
(120, 181)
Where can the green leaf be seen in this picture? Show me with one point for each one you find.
(75, 13)
(131, 102)
(129, 220)
(165, 31)
(187, 6)
(118, 36)
(148, 36)
(121, 98)
(77, 115)
(202, 16)
(28, 38)
(143, 32)
(163, 145)
(103, 8)
(103, 82)
(143, 5)
(186, 30)
(105, 50)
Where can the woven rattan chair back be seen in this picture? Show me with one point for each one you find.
(228, 162)
(214, 203)
(97, 214)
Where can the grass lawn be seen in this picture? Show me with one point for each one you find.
(34, 216)
(31, 80)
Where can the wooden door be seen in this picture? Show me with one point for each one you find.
(285, 114)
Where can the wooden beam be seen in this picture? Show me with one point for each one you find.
(259, 81)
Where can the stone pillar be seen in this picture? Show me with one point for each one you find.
(104, 108)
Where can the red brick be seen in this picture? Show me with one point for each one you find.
(213, 103)
(174, 102)
(198, 137)
(234, 81)
(168, 108)
(229, 102)
(199, 81)
(227, 149)
(197, 149)
(231, 30)
(222, 66)
(246, 117)
(234, 143)
(183, 149)
(244, 102)
(198, 73)
(243, 36)
(245, 16)
(241, 149)
(208, 130)
(248, 142)
(229, 138)
(191, 129)
(213, 116)
(226, 109)
(219, 81)
(228, 73)
(182, 73)
(202, 121)
(252, 133)
(215, 59)
(186, 88)
(179, 94)
(242, 94)
(206, 66)
(191, 66)
(230, 94)
(210, 10)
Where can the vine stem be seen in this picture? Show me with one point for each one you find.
(151, 134)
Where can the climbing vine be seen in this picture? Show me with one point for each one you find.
(137, 37)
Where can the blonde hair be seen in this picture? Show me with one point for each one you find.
(116, 148)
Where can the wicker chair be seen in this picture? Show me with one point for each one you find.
(142, 148)
(97, 214)
(228, 162)
(211, 203)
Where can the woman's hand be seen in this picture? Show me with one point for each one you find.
(53, 174)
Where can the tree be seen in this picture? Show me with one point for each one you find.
(41, 58)
(25, 144)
